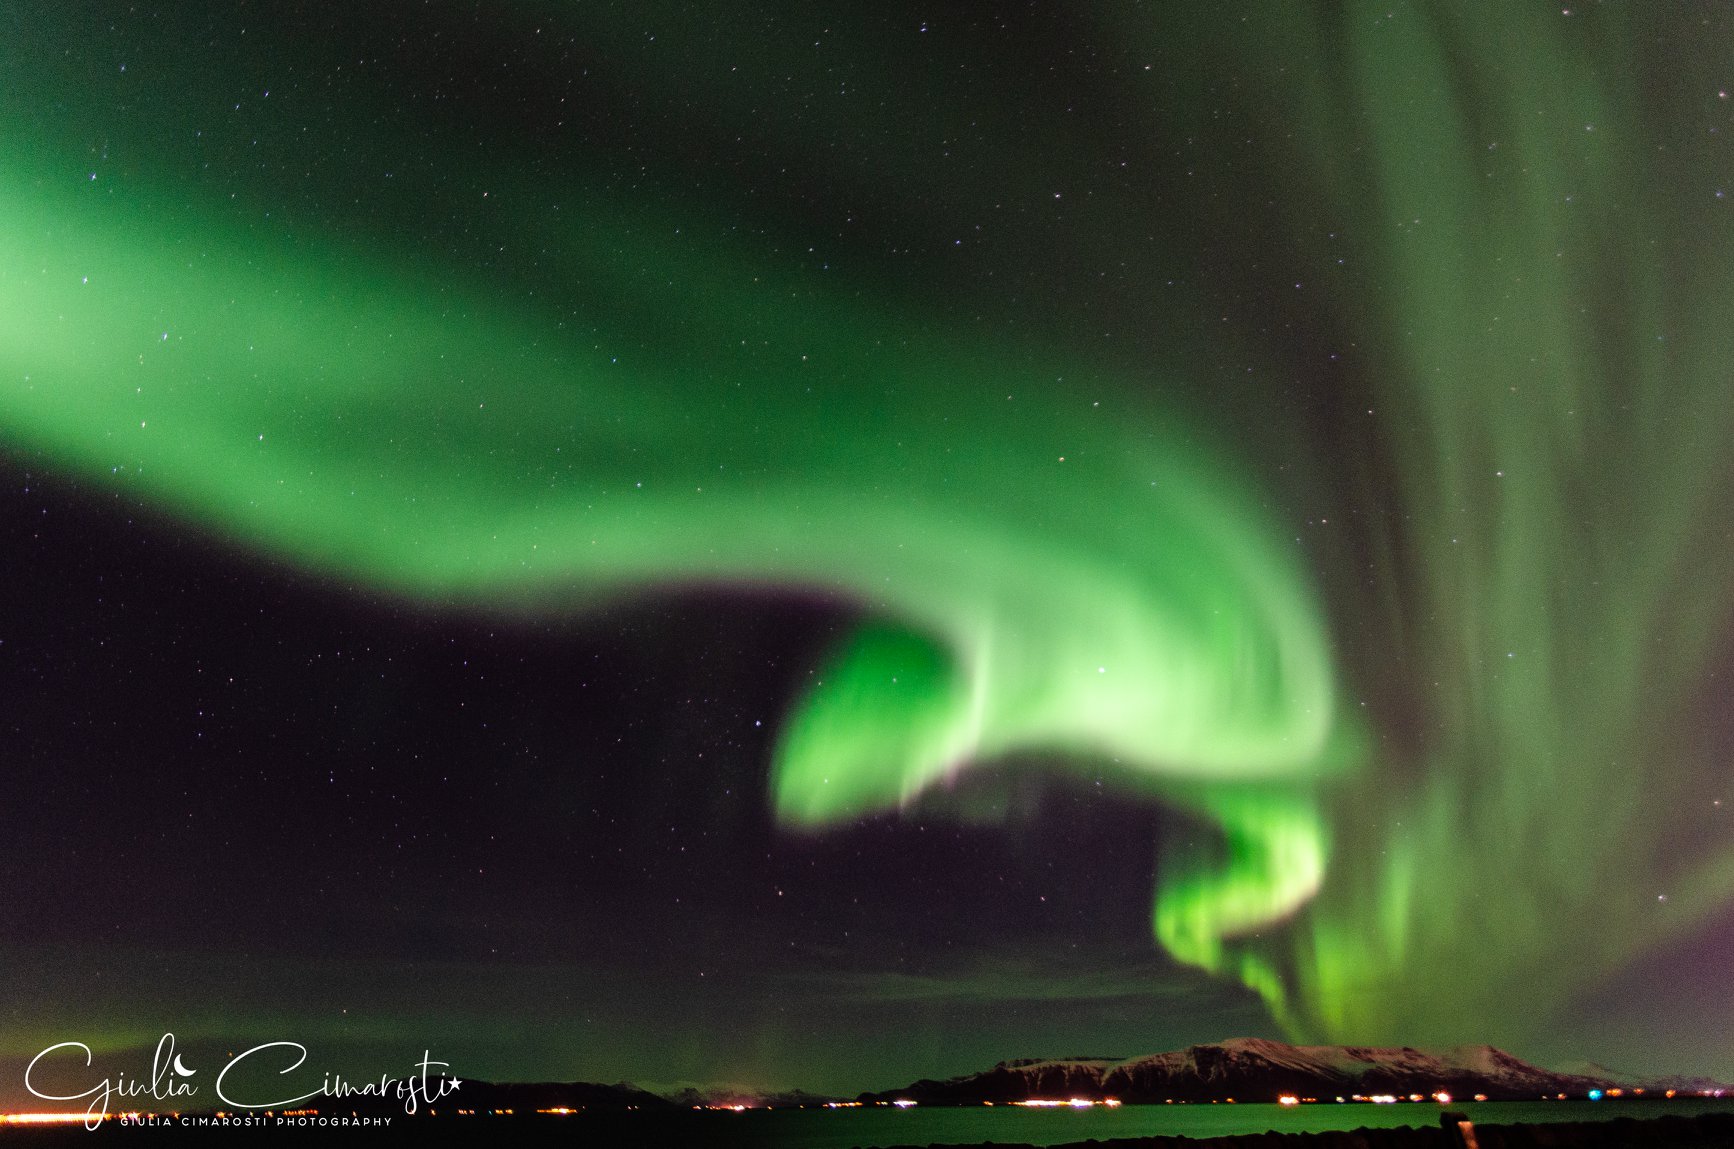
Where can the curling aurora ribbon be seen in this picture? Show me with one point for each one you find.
(1052, 565)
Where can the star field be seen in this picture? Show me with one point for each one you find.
(915, 537)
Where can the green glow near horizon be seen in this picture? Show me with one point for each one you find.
(1546, 327)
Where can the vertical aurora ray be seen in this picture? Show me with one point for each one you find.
(1539, 196)
(1055, 563)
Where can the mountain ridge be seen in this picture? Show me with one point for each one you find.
(1259, 1069)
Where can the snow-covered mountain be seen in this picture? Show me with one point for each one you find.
(1254, 1069)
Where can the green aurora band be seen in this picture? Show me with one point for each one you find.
(1048, 579)
(1543, 194)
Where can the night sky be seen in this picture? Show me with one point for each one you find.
(817, 545)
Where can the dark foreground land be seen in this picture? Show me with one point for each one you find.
(703, 1131)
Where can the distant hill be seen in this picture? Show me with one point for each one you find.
(530, 1096)
(1653, 1083)
(1254, 1069)
(1246, 1069)
(754, 1098)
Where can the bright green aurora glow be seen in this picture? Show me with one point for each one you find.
(1546, 329)
(379, 426)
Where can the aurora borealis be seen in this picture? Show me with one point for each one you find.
(1290, 446)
